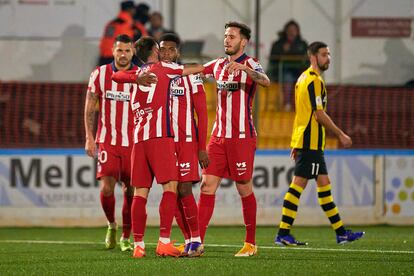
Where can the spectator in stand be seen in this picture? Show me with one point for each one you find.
(122, 24)
(141, 17)
(290, 49)
(157, 29)
(142, 13)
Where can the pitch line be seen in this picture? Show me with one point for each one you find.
(231, 246)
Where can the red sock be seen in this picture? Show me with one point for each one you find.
(139, 218)
(108, 205)
(249, 214)
(126, 216)
(205, 211)
(168, 205)
(182, 223)
(191, 214)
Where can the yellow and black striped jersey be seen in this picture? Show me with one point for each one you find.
(310, 95)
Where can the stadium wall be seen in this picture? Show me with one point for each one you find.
(56, 187)
(66, 40)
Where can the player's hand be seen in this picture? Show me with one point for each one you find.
(90, 148)
(203, 159)
(345, 140)
(293, 154)
(234, 67)
(146, 79)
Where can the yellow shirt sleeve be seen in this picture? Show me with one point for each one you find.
(315, 94)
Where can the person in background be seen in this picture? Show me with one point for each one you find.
(142, 14)
(157, 29)
(122, 24)
(291, 48)
(141, 17)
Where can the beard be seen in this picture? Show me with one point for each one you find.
(323, 67)
(122, 62)
(236, 49)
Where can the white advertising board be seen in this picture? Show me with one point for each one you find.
(62, 190)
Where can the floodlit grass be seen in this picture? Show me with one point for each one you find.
(385, 250)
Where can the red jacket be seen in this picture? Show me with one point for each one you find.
(122, 24)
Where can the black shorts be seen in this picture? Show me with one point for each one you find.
(310, 163)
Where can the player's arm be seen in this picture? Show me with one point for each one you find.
(192, 69)
(200, 106)
(134, 76)
(258, 77)
(315, 96)
(323, 118)
(89, 120)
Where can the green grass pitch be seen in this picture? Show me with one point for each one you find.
(385, 250)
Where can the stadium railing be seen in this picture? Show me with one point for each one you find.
(50, 115)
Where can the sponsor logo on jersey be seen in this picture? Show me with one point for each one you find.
(241, 164)
(140, 112)
(177, 91)
(318, 100)
(196, 79)
(241, 168)
(185, 165)
(117, 96)
(228, 85)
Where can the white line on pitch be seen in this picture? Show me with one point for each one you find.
(229, 245)
(322, 249)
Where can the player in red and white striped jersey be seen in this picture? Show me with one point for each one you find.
(153, 154)
(188, 98)
(233, 142)
(113, 137)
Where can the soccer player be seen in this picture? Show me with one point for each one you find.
(153, 153)
(114, 136)
(188, 97)
(233, 142)
(308, 143)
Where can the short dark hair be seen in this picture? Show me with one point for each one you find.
(244, 29)
(144, 46)
(170, 37)
(126, 5)
(314, 47)
(124, 39)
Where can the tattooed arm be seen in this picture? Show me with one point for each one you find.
(258, 77)
(89, 119)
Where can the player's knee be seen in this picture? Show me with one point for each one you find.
(185, 189)
(244, 188)
(209, 184)
(207, 188)
(107, 186)
(106, 191)
(170, 186)
(128, 190)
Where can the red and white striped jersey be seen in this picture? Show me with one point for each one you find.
(152, 105)
(115, 124)
(183, 91)
(235, 93)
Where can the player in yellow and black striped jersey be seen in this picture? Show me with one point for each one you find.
(308, 144)
(310, 95)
